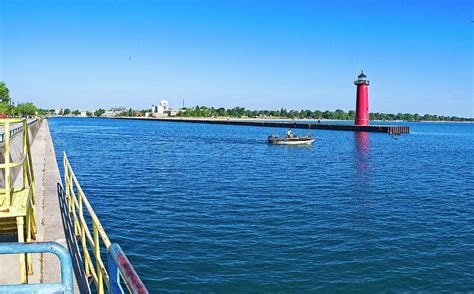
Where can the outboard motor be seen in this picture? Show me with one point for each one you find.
(272, 139)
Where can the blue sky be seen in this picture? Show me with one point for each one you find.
(418, 55)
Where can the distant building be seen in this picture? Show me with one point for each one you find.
(173, 111)
(162, 109)
(157, 110)
(164, 104)
(119, 109)
(109, 113)
(113, 112)
(86, 112)
(58, 111)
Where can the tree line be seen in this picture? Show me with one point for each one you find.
(29, 109)
(98, 112)
(8, 108)
(68, 111)
(338, 114)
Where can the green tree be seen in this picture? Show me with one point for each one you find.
(340, 114)
(99, 112)
(4, 93)
(76, 112)
(4, 108)
(221, 112)
(26, 109)
(351, 115)
(67, 111)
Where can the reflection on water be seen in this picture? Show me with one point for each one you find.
(362, 154)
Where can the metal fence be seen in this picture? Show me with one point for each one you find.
(17, 204)
(92, 244)
(33, 127)
(65, 286)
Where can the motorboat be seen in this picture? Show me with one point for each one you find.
(290, 141)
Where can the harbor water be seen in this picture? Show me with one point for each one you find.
(200, 208)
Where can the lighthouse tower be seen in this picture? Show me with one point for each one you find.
(362, 100)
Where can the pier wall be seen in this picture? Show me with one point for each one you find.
(392, 130)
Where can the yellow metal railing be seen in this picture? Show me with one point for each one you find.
(78, 205)
(17, 205)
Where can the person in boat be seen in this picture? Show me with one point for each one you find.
(289, 134)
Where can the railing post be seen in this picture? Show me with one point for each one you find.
(83, 233)
(76, 222)
(21, 239)
(66, 181)
(69, 188)
(114, 277)
(100, 279)
(30, 163)
(29, 258)
(25, 151)
(7, 163)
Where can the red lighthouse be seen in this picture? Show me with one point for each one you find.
(362, 103)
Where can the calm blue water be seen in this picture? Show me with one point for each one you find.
(202, 208)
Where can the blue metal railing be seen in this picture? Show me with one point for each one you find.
(42, 247)
(119, 266)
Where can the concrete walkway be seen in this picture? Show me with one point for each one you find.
(51, 222)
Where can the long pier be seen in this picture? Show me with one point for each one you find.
(392, 130)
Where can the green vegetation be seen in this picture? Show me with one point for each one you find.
(25, 109)
(4, 93)
(7, 108)
(99, 112)
(203, 111)
(4, 99)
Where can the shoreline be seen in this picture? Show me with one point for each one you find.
(256, 119)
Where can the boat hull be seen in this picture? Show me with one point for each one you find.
(287, 141)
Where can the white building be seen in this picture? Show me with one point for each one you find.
(109, 113)
(157, 110)
(113, 112)
(164, 104)
(161, 109)
(58, 111)
(85, 112)
(173, 111)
